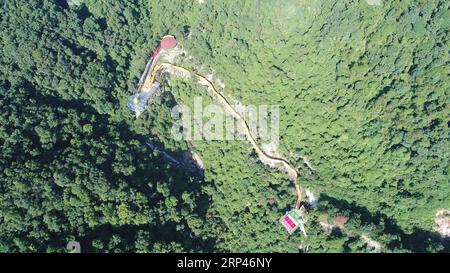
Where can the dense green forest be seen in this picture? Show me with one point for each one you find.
(364, 95)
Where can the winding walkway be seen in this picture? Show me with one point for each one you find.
(263, 156)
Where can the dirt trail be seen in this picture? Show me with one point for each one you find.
(264, 157)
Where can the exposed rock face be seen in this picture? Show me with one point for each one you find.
(442, 221)
(198, 160)
(311, 198)
(193, 162)
(372, 245)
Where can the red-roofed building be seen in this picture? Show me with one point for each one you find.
(292, 221)
(168, 42)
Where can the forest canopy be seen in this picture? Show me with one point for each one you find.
(363, 90)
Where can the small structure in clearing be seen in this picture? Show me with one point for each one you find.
(138, 102)
(294, 220)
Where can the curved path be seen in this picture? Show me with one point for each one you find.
(263, 156)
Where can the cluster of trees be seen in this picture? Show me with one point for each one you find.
(363, 94)
(74, 166)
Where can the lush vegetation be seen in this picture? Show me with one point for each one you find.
(363, 93)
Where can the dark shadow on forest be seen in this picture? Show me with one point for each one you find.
(182, 181)
(162, 233)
